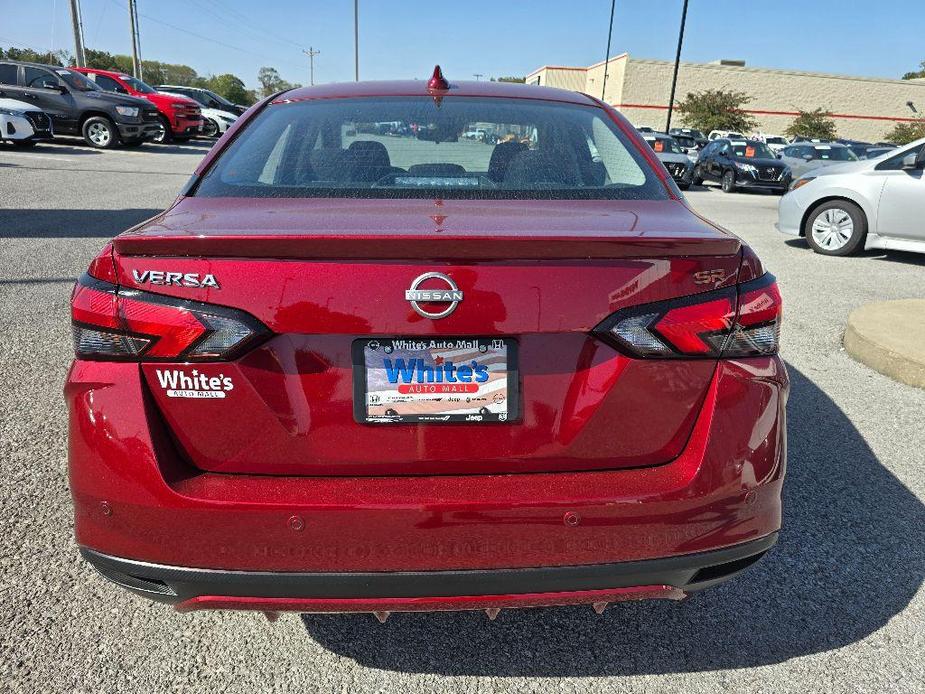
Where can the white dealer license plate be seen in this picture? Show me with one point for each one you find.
(435, 380)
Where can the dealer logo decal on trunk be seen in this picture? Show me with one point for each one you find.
(179, 384)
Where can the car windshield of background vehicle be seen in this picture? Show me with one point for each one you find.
(752, 150)
(462, 147)
(665, 145)
(827, 153)
(77, 81)
(137, 85)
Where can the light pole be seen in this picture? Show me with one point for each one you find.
(133, 28)
(613, 4)
(77, 23)
(311, 53)
(677, 63)
(356, 40)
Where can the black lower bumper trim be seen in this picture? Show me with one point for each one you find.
(689, 572)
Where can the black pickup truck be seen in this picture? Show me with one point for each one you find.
(78, 107)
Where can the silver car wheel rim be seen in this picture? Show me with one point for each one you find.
(833, 229)
(99, 134)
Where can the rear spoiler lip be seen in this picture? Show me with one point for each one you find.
(427, 248)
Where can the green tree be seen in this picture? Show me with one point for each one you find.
(716, 109)
(813, 124)
(904, 133)
(271, 82)
(28, 55)
(230, 87)
(917, 74)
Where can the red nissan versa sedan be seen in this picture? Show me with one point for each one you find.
(413, 346)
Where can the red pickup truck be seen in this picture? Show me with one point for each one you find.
(180, 116)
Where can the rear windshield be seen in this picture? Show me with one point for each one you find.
(462, 147)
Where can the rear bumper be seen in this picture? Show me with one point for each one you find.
(195, 589)
(136, 498)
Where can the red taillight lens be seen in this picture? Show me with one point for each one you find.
(120, 324)
(735, 322)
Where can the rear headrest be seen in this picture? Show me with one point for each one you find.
(541, 168)
(369, 153)
(501, 156)
(329, 164)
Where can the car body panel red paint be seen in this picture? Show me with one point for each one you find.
(165, 511)
(614, 458)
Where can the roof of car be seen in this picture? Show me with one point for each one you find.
(658, 136)
(28, 64)
(511, 90)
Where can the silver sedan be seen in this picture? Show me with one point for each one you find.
(872, 203)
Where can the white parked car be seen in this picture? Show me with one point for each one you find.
(776, 143)
(23, 124)
(871, 203)
(725, 135)
(214, 121)
(806, 156)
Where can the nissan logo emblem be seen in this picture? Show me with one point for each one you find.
(451, 295)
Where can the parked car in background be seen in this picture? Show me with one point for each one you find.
(872, 203)
(688, 144)
(646, 129)
(23, 124)
(725, 134)
(692, 133)
(671, 155)
(214, 121)
(180, 116)
(874, 151)
(806, 156)
(776, 143)
(817, 140)
(77, 106)
(741, 164)
(288, 393)
(204, 97)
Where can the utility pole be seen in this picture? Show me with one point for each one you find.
(133, 28)
(613, 4)
(478, 75)
(311, 53)
(79, 54)
(677, 63)
(356, 40)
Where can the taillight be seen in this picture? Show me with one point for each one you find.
(740, 321)
(127, 324)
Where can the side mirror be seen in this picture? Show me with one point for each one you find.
(911, 161)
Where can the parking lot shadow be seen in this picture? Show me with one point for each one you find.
(37, 224)
(850, 557)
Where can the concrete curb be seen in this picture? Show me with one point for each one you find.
(889, 337)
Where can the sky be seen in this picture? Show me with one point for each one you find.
(401, 39)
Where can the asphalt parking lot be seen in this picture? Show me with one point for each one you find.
(838, 606)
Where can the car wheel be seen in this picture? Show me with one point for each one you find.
(99, 132)
(837, 227)
(24, 144)
(729, 182)
(696, 178)
(210, 128)
(164, 135)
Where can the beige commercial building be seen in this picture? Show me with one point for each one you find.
(863, 108)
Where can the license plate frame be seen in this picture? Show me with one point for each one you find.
(479, 407)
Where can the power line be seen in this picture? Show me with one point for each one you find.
(224, 13)
(311, 53)
(205, 38)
